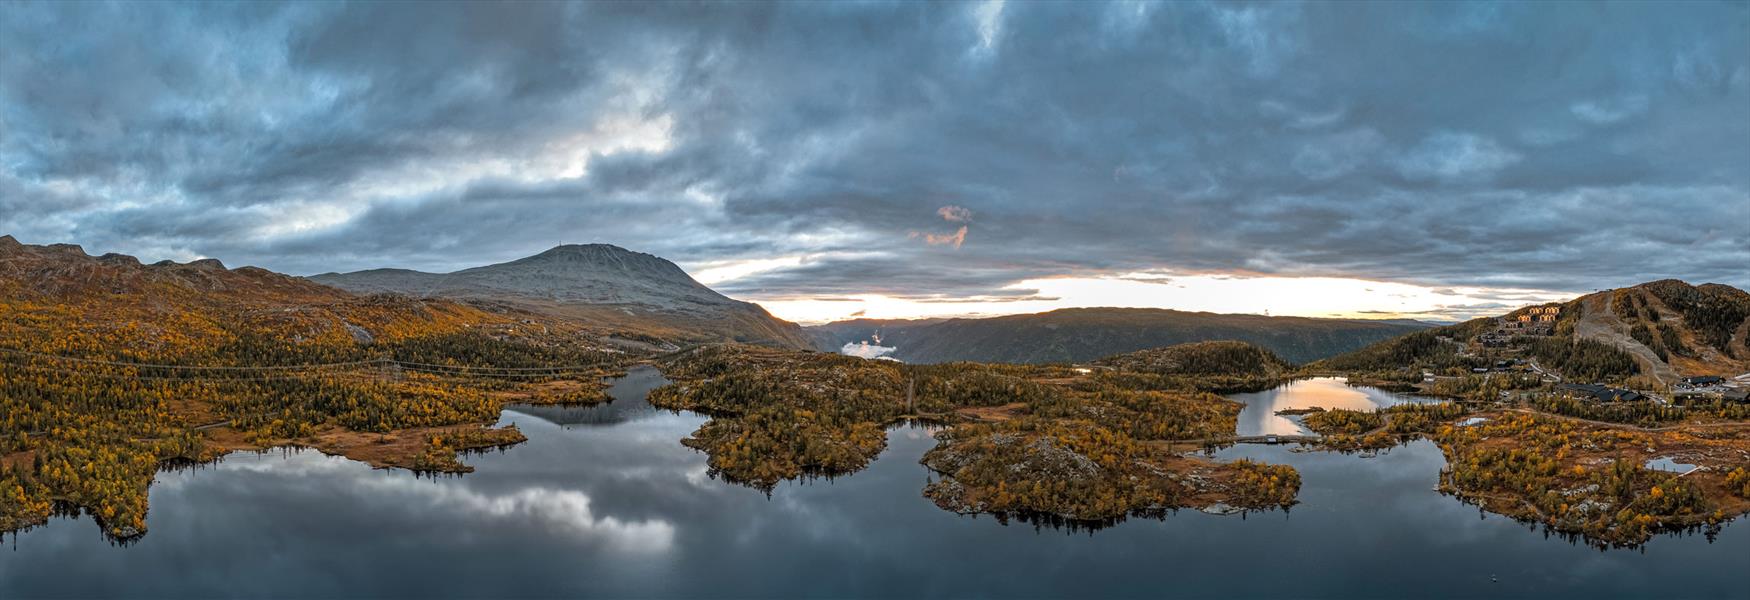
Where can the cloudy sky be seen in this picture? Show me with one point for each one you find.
(830, 159)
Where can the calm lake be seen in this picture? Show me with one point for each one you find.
(604, 501)
(1259, 416)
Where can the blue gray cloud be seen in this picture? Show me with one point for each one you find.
(1545, 145)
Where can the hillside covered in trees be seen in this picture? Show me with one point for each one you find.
(1218, 366)
(111, 369)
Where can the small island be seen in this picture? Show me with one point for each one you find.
(1057, 442)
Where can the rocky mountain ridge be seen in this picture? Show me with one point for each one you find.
(64, 272)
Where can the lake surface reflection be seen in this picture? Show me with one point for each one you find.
(605, 502)
(1260, 418)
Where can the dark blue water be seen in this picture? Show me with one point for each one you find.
(605, 502)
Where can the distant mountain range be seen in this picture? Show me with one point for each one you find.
(599, 284)
(638, 300)
(1086, 334)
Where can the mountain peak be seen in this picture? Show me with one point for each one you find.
(576, 249)
(593, 261)
(609, 284)
(207, 264)
(71, 249)
(599, 253)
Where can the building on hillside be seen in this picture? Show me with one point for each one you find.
(1540, 314)
(1703, 380)
(1601, 393)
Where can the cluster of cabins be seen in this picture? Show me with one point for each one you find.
(1704, 385)
(1537, 320)
(1602, 393)
(1540, 314)
(1494, 339)
(1696, 386)
(1500, 366)
(1700, 381)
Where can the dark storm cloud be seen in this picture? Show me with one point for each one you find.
(1561, 146)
